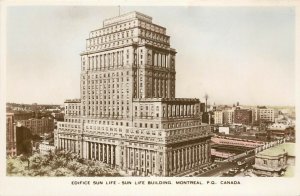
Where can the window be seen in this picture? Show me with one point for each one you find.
(265, 162)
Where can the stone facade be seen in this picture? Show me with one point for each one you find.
(128, 115)
(270, 165)
(275, 160)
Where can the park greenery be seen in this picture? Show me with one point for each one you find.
(60, 163)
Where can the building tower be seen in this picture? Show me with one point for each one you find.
(128, 115)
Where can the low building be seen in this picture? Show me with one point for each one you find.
(46, 147)
(275, 161)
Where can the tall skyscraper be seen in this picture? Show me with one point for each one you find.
(128, 115)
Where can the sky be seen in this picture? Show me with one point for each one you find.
(233, 54)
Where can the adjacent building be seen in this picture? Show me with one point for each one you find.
(127, 115)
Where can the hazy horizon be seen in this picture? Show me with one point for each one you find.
(234, 54)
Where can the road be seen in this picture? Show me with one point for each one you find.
(225, 166)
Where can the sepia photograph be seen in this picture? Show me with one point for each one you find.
(178, 94)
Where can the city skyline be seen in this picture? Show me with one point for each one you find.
(255, 38)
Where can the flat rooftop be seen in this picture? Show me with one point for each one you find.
(288, 148)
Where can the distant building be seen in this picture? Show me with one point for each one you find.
(10, 135)
(23, 140)
(218, 117)
(39, 126)
(202, 107)
(281, 131)
(265, 114)
(275, 160)
(228, 116)
(224, 130)
(207, 118)
(243, 116)
(58, 116)
(23, 115)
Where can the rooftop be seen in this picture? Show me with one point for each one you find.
(127, 16)
(73, 101)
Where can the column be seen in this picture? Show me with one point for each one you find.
(92, 150)
(117, 151)
(95, 150)
(178, 159)
(201, 154)
(174, 161)
(198, 154)
(83, 150)
(86, 155)
(171, 162)
(107, 154)
(186, 158)
(190, 157)
(182, 159)
(99, 155)
(112, 155)
(103, 154)
(88, 150)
